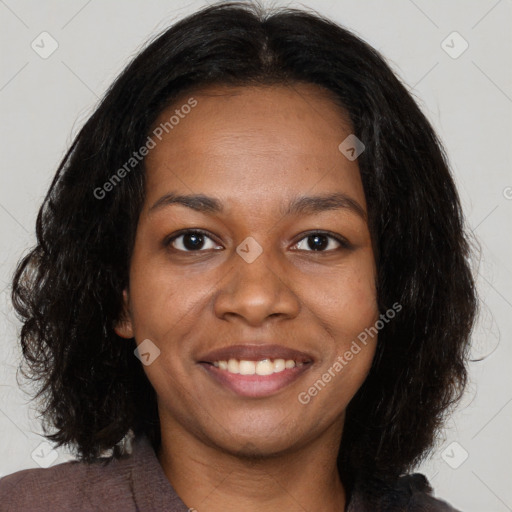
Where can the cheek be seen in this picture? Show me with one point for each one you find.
(166, 302)
(348, 308)
(155, 301)
(347, 300)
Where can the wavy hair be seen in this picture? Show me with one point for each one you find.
(68, 289)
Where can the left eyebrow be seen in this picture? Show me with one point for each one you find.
(309, 205)
(301, 205)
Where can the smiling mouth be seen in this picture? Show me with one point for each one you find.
(262, 367)
(255, 371)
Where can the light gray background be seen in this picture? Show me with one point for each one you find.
(468, 99)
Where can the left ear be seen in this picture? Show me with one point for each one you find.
(123, 326)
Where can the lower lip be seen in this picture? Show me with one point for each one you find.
(255, 386)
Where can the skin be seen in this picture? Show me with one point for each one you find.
(254, 149)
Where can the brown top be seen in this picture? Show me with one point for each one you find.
(137, 483)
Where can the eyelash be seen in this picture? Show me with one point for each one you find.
(344, 244)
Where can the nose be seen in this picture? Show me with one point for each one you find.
(255, 291)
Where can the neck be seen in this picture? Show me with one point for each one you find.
(208, 478)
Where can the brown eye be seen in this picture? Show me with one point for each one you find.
(321, 242)
(192, 241)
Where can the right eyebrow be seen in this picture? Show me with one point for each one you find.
(197, 202)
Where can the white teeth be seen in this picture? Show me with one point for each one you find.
(233, 366)
(279, 365)
(247, 367)
(263, 367)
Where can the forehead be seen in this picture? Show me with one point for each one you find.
(256, 140)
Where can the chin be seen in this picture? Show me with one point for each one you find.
(251, 443)
(259, 448)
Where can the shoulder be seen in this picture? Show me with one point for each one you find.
(71, 485)
(420, 494)
(408, 493)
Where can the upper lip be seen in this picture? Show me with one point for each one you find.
(254, 352)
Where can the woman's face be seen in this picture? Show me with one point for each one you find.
(260, 284)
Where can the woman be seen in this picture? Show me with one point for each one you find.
(260, 214)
